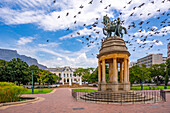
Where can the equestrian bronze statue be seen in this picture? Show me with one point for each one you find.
(113, 26)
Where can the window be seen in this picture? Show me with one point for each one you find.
(70, 75)
(59, 74)
(64, 74)
(67, 74)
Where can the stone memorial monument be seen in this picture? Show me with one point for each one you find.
(114, 53)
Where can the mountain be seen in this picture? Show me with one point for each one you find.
(8, 55)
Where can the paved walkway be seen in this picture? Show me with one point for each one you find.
(61, 101)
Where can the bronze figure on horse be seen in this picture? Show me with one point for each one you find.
(113, 26)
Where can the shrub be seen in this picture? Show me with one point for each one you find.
(9, 92)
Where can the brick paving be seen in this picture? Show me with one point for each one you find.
(61, 101)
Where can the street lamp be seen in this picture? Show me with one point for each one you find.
(141, 80)
(32, 83)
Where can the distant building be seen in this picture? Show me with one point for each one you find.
(164, 60)
(168, 53)
(66, 73)
(151, 59)
(132, 64)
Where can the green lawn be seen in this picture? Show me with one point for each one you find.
(38, 91)
(84, 90)
(147, 87)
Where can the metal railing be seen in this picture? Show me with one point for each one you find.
(128, 97)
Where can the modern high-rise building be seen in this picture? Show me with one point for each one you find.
(168, 53)
(151, 59)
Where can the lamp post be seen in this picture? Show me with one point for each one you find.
(32, 83)
(141, 80)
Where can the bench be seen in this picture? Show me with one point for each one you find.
(153, 87)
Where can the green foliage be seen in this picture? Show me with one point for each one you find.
(158, 72)
(20, 72)
(85, 73)
(9, 92)
(135, 74)
(84, 90)
(94, 76)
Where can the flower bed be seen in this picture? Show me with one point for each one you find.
(9, 92)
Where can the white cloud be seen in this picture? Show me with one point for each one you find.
(52, 44)
(79, 40)
(154, 41)
(25, 40)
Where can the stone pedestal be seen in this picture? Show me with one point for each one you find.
(115, 87)
(103, 86)
(126, 86)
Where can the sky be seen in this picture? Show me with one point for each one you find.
(33, 28)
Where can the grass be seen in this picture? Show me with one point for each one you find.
(38, 91)
(84, 90)
(147, 87)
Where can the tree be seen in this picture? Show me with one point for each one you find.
(85, 73)
(3, 73)
(145, 73)
(18, 70)
(158, 73)
(135, 74)
(35, 70)
(94, 76)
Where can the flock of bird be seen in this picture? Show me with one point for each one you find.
(88, 40)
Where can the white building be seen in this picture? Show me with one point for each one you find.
(151, 59)
(66, 73)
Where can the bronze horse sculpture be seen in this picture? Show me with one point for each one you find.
(113, 26)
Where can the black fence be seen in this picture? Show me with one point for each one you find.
(128, 97)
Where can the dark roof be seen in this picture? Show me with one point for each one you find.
(59, 69)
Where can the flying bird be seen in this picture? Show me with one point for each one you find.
(129, 2)
(90, 2)
(149, 14)
(158, 10)
(141, 23)
(67, 29)
(79, 12)
(131, 14)
(97, 32)
(67, 14)
(81, 7)
(141, 5)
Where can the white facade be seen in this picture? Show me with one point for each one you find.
(151, 59)
(66, 73)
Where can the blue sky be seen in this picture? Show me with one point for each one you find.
(26, 25)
